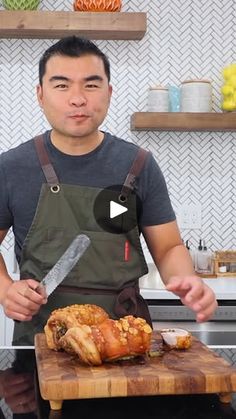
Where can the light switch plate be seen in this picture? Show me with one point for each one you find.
(189, 216)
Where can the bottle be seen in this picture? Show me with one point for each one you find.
(203, 261)
(198, 256)
(191, 252)
(209, 259)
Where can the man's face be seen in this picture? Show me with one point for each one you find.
(75, 95)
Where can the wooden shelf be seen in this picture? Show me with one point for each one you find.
(54, 25)
(181, 121)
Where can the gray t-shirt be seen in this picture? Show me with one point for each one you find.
(21, 178)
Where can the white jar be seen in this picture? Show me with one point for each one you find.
(158, 99)
(196, 96)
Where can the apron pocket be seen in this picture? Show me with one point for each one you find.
(53, 245)
(110, 262)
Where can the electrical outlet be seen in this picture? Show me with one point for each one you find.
(189, 216)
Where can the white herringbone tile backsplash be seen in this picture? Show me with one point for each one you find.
(184, 39)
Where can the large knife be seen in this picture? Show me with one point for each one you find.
(65, 264)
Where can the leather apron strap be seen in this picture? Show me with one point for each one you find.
(136, 168)
(47, 167)
(129, 183)
(51, 177)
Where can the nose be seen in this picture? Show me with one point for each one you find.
(77, 97)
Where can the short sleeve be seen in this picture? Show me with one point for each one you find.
(5, 213)
(156, 204)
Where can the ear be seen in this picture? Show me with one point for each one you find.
(39, 91)
(110, 92)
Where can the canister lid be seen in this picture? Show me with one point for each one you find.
(158, 87)
(196, 81)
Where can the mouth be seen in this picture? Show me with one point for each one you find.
(77, 114)
(79, 117)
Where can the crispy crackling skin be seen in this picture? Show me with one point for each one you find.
(108, 341)
(74, 315)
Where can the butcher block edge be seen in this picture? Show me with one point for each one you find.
(197, 370)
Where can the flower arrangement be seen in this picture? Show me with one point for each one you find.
(228, 90)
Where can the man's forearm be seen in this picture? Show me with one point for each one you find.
(5, 279)
(168, 252)
(176, 262)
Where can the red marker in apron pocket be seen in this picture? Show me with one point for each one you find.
(127, 251)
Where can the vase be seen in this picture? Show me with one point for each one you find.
(21, 4)
(97, 5)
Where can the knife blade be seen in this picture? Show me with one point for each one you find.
(65, 264)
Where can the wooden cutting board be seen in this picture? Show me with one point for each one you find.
(192, 371)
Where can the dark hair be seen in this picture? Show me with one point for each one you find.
(72, 46)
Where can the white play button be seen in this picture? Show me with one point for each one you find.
(114, 215)
(116, 209)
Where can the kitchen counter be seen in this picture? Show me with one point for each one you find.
(224, 289)
(20, 394)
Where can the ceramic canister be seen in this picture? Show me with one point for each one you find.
(196, 96)
(158, 99)
(20, 4)
(97, 5)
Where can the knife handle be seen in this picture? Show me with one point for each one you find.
(37, 289)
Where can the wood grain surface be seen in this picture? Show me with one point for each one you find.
(192, 371)
(183, 121)
(56, 24)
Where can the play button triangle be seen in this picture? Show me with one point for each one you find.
(116, 209)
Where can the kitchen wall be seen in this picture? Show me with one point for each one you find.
(185, 39)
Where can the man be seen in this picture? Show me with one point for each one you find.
(50, 188)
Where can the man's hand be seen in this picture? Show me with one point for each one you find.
(21, 301)
(195, 294)
(18, 391)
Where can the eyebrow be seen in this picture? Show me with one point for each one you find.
(86, 79)
(55, 78)
(94, 77)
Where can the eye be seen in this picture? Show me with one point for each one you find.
(61, 86)
(91, 86)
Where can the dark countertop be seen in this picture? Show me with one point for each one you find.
(20, 394)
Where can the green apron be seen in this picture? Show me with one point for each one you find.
(104, 275)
